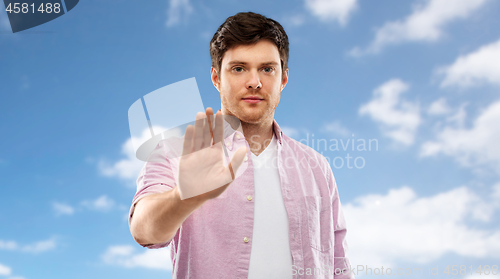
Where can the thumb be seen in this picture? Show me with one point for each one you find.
(236, 161)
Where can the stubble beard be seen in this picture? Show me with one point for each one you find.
(248, 118)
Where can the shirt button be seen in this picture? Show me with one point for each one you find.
(238, 136)
(246, 158)
(249, 197)
(245, 239)
(228, 143)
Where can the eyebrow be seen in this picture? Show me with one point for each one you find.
(245, 63)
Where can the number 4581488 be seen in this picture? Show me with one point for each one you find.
(25, 8)
(462, 270)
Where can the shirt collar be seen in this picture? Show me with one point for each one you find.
(232, 134)
(277, 131)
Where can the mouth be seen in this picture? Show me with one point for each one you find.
(252, 99)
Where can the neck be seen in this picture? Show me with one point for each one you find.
(258, 135)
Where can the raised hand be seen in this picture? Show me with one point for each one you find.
(202, 173)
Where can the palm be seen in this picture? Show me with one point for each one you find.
(202, 171)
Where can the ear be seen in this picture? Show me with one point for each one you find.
(215, 78)
(284, 81)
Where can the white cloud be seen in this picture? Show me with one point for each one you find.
(126, 256)
(129, 168)
(62, 208)
(8, 245)
(399, 119)
(178, 9)
(332, 10)
(289, 131)
(402, 227)
(102, 203)
(458, 118)
(439, 107)
(293, 20)
(40, 246)
(5, 270)
(475, 147)
(337, 128)
(496, 193)
(479, 67)
(35, 248)
(424, 24)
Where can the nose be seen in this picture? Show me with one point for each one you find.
(253, 81)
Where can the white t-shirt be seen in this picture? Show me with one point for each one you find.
(270, 256)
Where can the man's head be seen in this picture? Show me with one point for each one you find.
(246, 29)
(249, 60)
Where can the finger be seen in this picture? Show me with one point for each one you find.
(207, 138)
(198, 131)
(210, 118)
(236, 161)
(219, 127)
(188, 140)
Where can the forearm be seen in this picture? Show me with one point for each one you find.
(157, 217)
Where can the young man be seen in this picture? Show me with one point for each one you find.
(282, 217)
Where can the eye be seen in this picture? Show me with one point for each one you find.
(268, 69)
(238, 69)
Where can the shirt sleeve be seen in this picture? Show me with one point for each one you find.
(156, 176)
(342, 266)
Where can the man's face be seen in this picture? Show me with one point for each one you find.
(250, 81)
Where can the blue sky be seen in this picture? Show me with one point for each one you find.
(421, 78)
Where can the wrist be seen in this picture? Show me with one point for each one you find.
(189, 204)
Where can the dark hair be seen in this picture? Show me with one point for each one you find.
(245, 29)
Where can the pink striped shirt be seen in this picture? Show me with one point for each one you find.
(215, 240)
